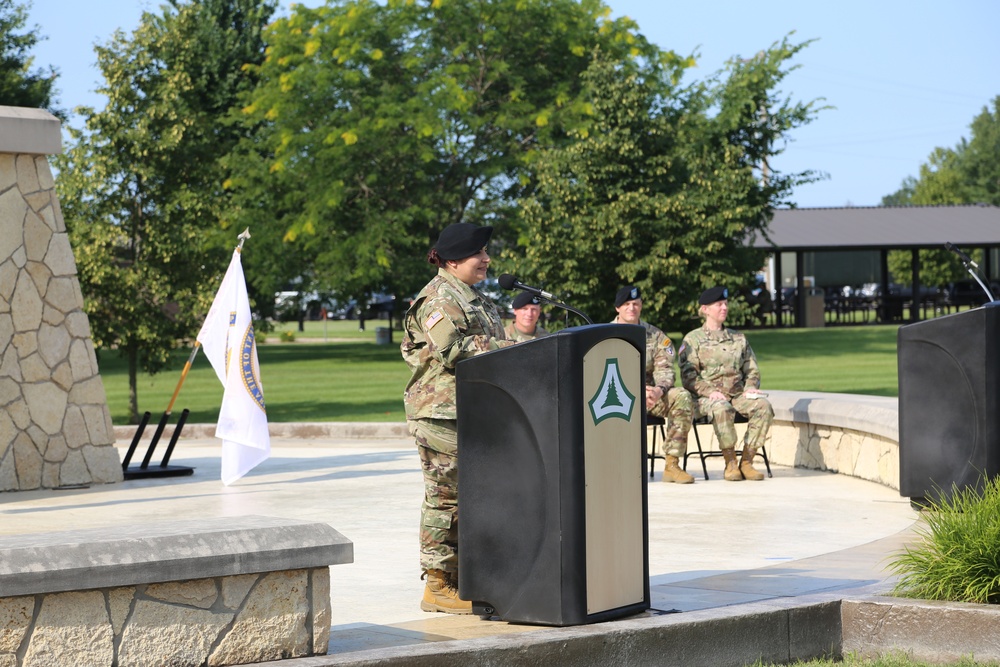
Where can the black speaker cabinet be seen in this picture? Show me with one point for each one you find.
(551, 486)
(949, 369)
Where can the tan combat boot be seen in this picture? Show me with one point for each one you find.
(746, 465)
(674, 473)
(732, 473)
(441, 595)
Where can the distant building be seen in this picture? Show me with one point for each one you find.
(819, 250)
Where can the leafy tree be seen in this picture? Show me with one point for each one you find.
(141, 185)
(381, 123)
(966, 174)
(20, 85)
(664, 190)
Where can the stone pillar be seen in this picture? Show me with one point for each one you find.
(55, 427)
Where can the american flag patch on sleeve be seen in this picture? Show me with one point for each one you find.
(433, 319)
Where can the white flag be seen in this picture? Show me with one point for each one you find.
(228, 340)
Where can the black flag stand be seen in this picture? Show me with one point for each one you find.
(164, 469)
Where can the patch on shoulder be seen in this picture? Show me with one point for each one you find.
(433, 319)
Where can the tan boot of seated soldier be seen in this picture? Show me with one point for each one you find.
(440, 594)
(746, 465)
(673, 472)
(732, 473)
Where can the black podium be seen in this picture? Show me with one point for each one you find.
(949, 403)
(552, 493)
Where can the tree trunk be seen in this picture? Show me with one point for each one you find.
(133, 394)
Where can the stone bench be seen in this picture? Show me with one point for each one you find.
(223, 591)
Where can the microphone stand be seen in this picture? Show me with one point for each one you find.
(569, 308)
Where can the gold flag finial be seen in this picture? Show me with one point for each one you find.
(243, 237)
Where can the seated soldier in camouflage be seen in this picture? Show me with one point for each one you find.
(719, 368)
(525, 324)
(663, 399)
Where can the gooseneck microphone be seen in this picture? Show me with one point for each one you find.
(961, 255)
(971, 267)
(509, 282)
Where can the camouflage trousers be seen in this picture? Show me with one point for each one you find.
(439, 511)
(758, 412)
(677, 408)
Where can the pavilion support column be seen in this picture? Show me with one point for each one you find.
(779, 300)
(800, 289)
(915, 298)
(988, 266)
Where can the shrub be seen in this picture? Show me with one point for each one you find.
(957, 554)
(287, 336)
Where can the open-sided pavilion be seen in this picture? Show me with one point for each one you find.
(816, 251)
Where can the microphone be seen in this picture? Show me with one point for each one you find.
(961, 255)
(969, 264)
(509, 282)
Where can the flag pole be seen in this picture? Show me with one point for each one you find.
(170, 406)
(197, 344)
(244, 235)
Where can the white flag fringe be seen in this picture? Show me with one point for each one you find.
(228, 340)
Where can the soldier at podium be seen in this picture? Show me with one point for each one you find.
(525, 326)
(720, 369)
(449, 320)
(663, 399)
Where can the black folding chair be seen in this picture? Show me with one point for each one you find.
(702, 454)
(658, 424)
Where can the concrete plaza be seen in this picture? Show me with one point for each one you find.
(712, 544)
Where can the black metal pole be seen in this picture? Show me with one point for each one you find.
(173, 438)
(135, 440)
(156, 438)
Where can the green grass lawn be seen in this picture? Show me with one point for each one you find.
(350, 378)
(850, 360)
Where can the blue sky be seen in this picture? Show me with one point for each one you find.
(904, 76)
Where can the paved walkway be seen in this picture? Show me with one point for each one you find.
(712, 544)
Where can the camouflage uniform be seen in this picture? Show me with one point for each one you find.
(676, 405)
(518, 337)
(447, 322)
(723, 361)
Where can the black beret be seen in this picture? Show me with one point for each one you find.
(627, 293)
(713, 294)
(462, 239)
(523, 299)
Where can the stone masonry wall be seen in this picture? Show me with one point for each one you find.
(844, 451)
(55, 427)
(220, 621)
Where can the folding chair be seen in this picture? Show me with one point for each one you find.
(658, 424)
(702, 454)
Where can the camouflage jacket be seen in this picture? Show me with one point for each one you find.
(659, 357)
(718, 361)
(518, 337)
(447, 322)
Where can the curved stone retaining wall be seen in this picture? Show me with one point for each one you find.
(845, 433)
(850, 434)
